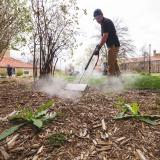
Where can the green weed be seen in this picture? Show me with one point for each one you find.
(57, 140)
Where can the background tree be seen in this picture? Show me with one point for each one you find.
(145, 54)
(14, 22)
(127, 48)
(55, 27)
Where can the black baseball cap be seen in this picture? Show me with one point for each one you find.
(97, 12)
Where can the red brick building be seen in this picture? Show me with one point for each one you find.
(143, 63)
(18, 65)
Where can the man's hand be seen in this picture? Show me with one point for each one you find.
(96, 50)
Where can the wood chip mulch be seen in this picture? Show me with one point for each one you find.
(88, 124)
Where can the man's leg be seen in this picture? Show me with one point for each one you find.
(118, 73)
(112, 61)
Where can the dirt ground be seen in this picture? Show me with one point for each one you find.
(81, 121)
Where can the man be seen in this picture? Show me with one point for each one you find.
(9, 70)
(109, 37)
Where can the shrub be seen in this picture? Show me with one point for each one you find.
(3, 73)
(19, 73)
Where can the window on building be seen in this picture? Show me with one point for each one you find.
(26, 72)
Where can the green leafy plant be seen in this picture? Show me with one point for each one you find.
(10, 131)
(132, 111)
(119, 103)
(37, 118)
(57, 140)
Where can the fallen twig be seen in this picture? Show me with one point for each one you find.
(140, 154)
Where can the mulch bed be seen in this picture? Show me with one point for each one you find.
(81, 121)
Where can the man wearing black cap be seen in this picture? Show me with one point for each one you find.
(109, 37)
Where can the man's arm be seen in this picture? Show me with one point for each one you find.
(103, 39)
(102, 42)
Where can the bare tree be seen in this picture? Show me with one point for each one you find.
(54, 31)
(14, 19)
(127, 48)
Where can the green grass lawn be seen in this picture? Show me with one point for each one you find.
(138, 81)
(131, 81)
(68, 78)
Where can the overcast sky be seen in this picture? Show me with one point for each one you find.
(142, 17)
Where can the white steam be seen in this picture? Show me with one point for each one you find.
(113, 85)
(56, 87)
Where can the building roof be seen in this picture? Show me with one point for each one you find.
(14, 63)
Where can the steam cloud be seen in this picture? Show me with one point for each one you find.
(56, 87)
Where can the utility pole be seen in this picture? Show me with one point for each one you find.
(149, 59)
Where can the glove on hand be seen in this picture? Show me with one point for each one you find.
(96, 50)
